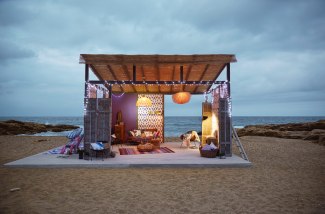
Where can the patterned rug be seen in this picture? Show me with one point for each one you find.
(134, 151)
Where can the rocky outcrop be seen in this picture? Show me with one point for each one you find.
(14, 127)
(313, 131)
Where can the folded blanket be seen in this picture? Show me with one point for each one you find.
(97, 146)
(54, 151)
(208, 147)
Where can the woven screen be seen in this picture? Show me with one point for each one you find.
(222, 102)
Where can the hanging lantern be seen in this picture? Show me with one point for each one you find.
(144, 102)
(181, 97)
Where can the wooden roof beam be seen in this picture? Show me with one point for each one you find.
(97, 75)
(110, 69)
(173, 75)
(187, 75)
(218, 74)
(202, 75)
(158, 75)
(143, 78)
(161, 59)
(95, 72)
(126, 72)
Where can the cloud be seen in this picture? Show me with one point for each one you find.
(279, 45)
(13, 13)
(10, 50)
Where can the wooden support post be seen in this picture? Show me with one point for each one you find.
(87, 134)
(228, 78)
(181, 73)
(134, 73)
(110, 91)
(110, 117)
(228, 72)
(86, 79)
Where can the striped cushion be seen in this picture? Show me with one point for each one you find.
(75, 133)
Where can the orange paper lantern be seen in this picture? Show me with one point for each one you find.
(181, 97)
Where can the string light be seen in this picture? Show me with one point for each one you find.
(222, 91)
(118, 96)
(229, 106)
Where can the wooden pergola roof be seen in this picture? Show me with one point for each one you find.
(165, 74)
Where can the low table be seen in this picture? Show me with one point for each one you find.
(155, 143)
(148, 147)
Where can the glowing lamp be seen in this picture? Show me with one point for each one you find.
(144, 102)
(181, 97)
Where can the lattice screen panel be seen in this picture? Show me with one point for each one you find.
(215, 114)
(152, 117)
(223, 105)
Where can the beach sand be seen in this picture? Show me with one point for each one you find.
(288, 176)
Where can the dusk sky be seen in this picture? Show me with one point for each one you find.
(279, 45)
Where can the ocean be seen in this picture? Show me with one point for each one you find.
(174, 126)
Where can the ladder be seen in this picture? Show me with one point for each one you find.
(239, 145)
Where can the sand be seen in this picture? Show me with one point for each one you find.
(288, 176)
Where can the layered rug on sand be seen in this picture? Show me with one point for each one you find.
(134, 151)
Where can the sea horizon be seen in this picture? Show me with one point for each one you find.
(174, 125)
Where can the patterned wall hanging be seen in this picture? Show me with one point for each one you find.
(153, 116)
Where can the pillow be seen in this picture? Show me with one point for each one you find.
(143, 135)
(156, 134)
(213, 146)
(148, 134)
(137, 133)
(131, 134)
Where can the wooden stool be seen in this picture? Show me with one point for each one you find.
(155, 143)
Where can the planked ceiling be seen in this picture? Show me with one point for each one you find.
(157, 68)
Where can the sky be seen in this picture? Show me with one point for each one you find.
(279, 45)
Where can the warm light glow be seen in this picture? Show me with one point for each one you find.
(144, 102)
(181, 97)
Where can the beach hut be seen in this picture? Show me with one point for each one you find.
(134, 86)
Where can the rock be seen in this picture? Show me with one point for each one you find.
(255, 131)
(318, 132)
(14, 127)
(312, 131)
(312, 137)
(321, 140)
